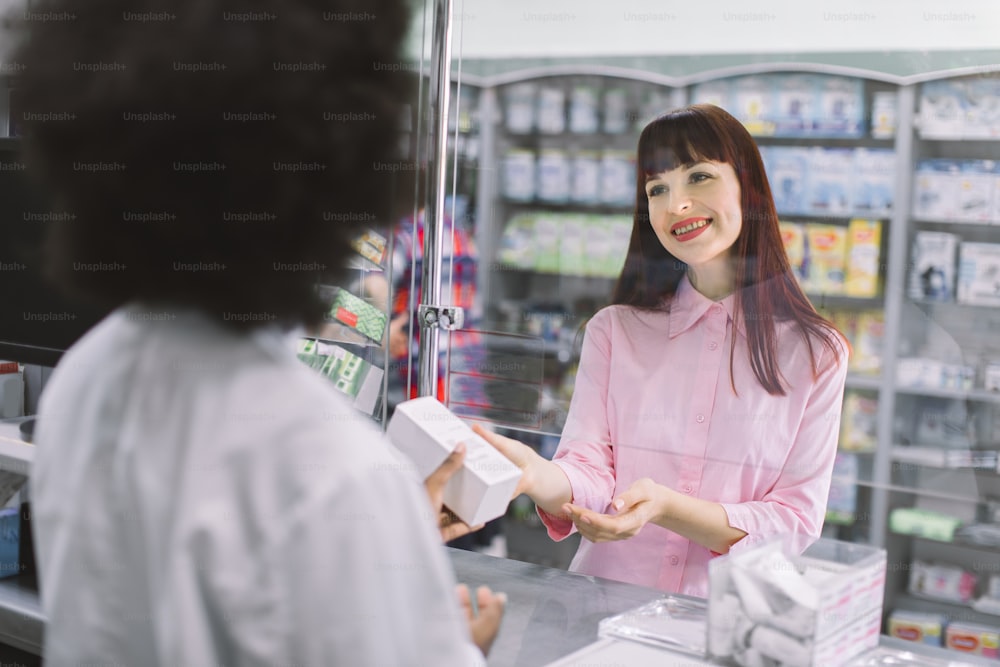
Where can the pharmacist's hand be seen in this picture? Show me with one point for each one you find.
(633, 510)
(449, 525)
(484, 624)
(518, 453)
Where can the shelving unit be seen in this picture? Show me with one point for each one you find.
(883, 480)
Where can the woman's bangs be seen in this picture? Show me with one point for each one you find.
(674, 141)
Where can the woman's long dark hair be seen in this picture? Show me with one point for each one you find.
(766, 290)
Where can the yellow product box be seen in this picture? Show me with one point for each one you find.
(864, 239)
(917, 627)
(869, 333)
(973, 638)
(793, 237)
(858, 424)
(827, 246)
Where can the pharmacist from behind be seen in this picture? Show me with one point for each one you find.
(707, 403)
(201, 497)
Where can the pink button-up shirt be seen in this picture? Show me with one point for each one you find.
(653, 399)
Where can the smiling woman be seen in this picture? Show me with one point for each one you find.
(694, 211)
(658, 468)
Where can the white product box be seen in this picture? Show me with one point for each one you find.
(829, 188)
(519, 175)
(427, 432)
(975, 192)
(979, 274)
(932, 266)
(822, 606)
(617, 178)
(841, 108)
(917, 372)
(583, 103)
(884, 107)
(551, 118)
(982, 109)
(520, 103)
(991, 382)
(935, 190)
(796, 105)
(995, 194)
(585, 169)
(553, 180)
(787, 170)
(753, 104)
(942, 110)
(873, 182)
(718, 92)
(616, 115)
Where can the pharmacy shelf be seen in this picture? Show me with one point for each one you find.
(868, 382)
(16, 455)
(976, 395)
(21, 618)
(914, 491)
(937, 458)
(956, 611)
(965, 544)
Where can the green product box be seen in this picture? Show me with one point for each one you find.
(358, 314)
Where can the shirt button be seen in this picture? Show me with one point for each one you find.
(712, 346)
(717, 308)
(687, 488)
(700, 418)
(674, 560)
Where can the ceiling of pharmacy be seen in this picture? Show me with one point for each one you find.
(899, 38)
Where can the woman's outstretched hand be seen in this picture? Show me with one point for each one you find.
(633, 509)
(518, 453)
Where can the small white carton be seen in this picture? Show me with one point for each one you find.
(427, 432)
(776, 602)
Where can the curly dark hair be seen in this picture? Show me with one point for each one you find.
(218, 154)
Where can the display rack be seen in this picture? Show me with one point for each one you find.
(880, 477)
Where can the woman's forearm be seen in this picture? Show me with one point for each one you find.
(701, 521)
(548, 486)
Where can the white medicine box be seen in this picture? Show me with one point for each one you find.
(427, 432)
(822, 606)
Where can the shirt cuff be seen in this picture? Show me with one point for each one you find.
(559, 529)
(740, 519)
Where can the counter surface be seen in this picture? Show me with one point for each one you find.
(552, 613)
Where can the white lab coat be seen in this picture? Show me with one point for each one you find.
(202, 499)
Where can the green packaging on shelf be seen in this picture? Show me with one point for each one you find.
(572, 260)
(350, 374)
(548, 233)
(923, 523)
(358, 314)
(517, 245)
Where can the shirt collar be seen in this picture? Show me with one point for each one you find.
(689, 305)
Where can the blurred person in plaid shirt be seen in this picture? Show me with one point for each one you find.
(459, 262)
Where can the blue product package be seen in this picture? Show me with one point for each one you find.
(10, 540)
